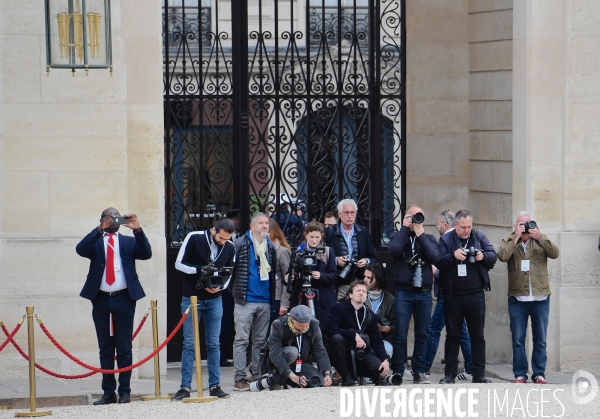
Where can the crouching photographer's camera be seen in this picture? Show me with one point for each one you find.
(213, 277)
(391, 380)
(267, 381)
(362, 352)
(418, 276)
(305, 263)
(471, 252)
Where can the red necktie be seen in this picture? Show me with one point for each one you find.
(110, 260)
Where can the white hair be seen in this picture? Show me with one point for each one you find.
(520, 214)
(345, 202)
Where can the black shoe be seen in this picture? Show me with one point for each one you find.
(226, 363)
(448, 379)
(481, 380)
(216, 391)
(183, 393)
(124, 398)
(348, 381)
(106, 399)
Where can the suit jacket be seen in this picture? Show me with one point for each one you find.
(130, 249)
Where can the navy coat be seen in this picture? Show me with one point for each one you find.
(130, 248)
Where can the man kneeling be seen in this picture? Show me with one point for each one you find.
(293, 339)
(353, 327)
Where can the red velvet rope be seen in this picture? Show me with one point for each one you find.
(14, 332)
(93, 369)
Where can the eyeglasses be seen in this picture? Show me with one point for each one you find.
(349, 212)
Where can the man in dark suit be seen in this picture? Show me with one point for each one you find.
(113, 287)
(349, 241)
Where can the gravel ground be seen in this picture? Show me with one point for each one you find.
(519, 401)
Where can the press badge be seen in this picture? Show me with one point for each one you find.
(298, 365)
(525, 265)
(263, 278)
(462, 270)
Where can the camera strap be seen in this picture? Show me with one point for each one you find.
(214, 252)
(413, 244)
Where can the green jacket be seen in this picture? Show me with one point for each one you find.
(538, 253)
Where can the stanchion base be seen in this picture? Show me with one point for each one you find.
(33, 414)
(149, 398)
(200, 399)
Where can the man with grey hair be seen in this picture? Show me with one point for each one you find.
(253, 289)
(526, 251)
(466, 256)
(349, 241)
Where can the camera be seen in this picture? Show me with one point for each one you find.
(384, 321)
(391, 380)
(529, 225)
(305, 263)
(119, 219)
(313, 382)
(347, 269)
(418, 276)
(418, 218)
(213, 277)
(360, 354)
(268, 381)
(471, 252)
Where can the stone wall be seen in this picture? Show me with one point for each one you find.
(70, 147)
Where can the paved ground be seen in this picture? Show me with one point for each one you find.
(72, 399)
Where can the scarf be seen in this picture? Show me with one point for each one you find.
(293, 328)
(375, 295)
(261, 251)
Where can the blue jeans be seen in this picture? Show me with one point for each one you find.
(519, 312)
(437, 323)
(212, 310)
(407, 305)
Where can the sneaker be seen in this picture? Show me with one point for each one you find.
(448, 379)
(481, 380)
(420, 379)
(183, 393)
(540, 380)
(241, 385)
(216, 391)
(428, 374)
(409, 371)
(464, 376)
(520, 380)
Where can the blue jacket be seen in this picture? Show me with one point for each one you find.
(447, 265)
(130, 248)
(400, 248)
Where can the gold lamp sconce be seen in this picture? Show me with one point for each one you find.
(78, 35)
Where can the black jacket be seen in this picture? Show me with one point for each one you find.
(447, 265)
(312, 343)
(239, 279)
(400, 248)
(342, 321)
(334, 238)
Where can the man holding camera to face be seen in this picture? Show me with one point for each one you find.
(207, 258)
(414, 253)
(466, 257)
(526, 252)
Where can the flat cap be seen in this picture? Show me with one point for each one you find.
(301, 313)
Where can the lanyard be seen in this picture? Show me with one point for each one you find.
(363, 320)
(375, 310)
(208, 237)
(299, 341)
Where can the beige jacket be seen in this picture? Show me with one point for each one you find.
(538, 253)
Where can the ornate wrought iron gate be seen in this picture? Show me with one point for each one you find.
(275, 102)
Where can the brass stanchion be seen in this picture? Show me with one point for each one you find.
(200, 398)
(157, 395)
(31, 350)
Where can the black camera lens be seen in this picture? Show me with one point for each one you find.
(384, 321)
(530, 225)
(418, 218)
(360, 354)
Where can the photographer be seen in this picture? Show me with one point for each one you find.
(382, 303)
(466, 257)
(353, 326)
(352, 245)
(414, 253)
(322, 276)
(294, 339)
(204, 253)
(526, 252)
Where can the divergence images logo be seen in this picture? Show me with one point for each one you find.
(584, 382)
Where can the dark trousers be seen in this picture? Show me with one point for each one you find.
(225, 338)
(339, 354)
(122, 308)
(469, 308)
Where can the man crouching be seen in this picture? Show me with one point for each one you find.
(293, 339)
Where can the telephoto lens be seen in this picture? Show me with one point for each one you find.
(392, 380)
(314, 382)
(265, 382)
(418, 277)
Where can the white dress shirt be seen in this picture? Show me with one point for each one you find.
(120, 282)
